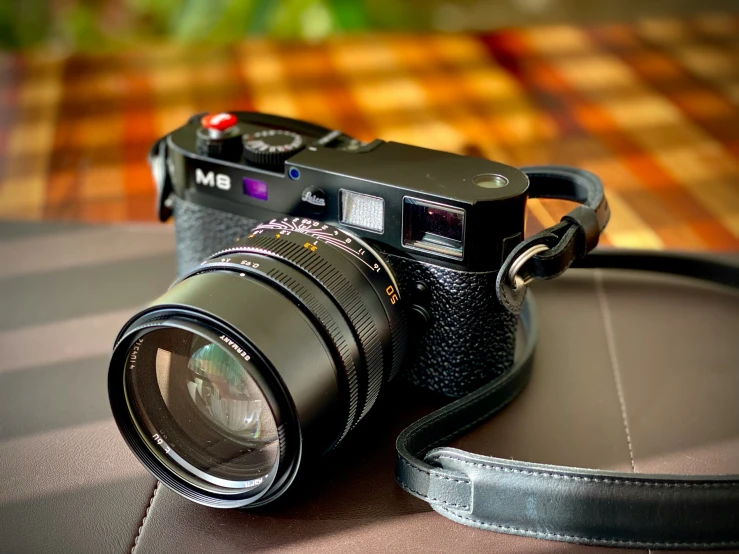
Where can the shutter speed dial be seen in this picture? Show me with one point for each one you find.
(272, 147)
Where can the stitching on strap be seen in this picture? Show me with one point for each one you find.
(146, 515)
(426, 497)
(433, 475)
(609, 480)
(611, 345)
(587, 540)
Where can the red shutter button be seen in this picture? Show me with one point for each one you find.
(219, 136)
(219, 121)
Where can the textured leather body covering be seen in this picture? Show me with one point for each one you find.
(202, 231)
(470, 338)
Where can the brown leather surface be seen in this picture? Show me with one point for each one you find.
(70, 485)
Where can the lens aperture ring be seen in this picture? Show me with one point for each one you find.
(331, 278)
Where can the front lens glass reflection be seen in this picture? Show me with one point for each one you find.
(203, 404)
(225, 395)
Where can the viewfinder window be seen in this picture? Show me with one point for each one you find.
(433, 227)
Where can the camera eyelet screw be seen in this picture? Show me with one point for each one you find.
(516, 280)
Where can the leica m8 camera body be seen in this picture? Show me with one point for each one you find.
(313, 268)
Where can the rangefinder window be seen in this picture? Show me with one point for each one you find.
(362, 211)
(433, 227)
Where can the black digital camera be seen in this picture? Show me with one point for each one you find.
(331, 265)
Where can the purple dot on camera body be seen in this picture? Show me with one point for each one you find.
(255, 189)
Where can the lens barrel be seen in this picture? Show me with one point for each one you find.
(267, 354)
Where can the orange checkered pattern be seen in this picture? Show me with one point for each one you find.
(653, 108)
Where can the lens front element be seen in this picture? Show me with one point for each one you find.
(201, 407)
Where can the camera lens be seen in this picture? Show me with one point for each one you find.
(202, 403)
(263, 357)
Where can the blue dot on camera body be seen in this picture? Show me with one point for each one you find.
(294, 173)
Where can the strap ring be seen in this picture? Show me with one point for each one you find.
(516, 280)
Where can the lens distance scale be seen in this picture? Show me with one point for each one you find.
(334, 236)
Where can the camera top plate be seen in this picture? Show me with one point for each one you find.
(443, 208)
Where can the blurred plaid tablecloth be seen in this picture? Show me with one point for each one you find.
(653, 108)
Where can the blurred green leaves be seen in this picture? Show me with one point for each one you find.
(23, 23)
(111, 24)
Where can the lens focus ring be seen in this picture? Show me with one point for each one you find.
(332, 278)
(314, 301)
(337, 337)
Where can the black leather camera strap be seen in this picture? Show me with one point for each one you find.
(555, 502)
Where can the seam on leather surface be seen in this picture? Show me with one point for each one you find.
(586, 540)
(143, 520)
(435, 475)
(426, 497)
(610, 480)
(611, 345)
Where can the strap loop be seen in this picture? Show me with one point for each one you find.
(158, 162)
(589, 231)
(566, 242)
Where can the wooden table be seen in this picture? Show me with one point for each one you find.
(653, 108)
